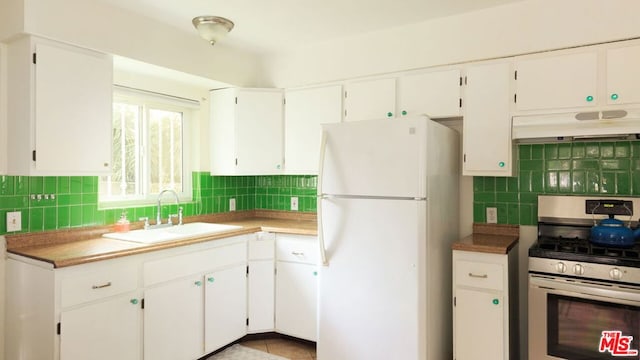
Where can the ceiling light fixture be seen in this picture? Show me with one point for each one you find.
(212, 28)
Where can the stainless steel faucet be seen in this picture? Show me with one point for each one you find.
(159, 217)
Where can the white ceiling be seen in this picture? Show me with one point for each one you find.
(275, 25)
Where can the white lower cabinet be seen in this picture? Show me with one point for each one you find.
(176, 304)
(225, 307)
(297, 286)
(195, 302)
(89, 311)
(105, 330)
(173, 320)
(485, 305)
(261, 283)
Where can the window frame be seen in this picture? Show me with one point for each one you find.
(149, 100)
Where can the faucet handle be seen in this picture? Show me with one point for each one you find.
(146, 221)
(179, 215)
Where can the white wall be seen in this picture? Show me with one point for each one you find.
(98, 26)
(516, 28)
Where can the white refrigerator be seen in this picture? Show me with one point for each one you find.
(387, 215)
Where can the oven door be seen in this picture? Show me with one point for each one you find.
(582, 320)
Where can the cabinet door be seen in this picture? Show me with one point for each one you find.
(305, 110)
(225, 307)
(73, 110)
(558, 82)
(259, 132)
(173, 320)
(370, 99)
(487, 123)
(436, 94)
(479, 329)
(296, 300)
(623, 76)
(261, 295)
(105, 330)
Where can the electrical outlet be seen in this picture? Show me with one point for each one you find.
(492, 215)
(232, 204)
(294, 203)
(14, 221)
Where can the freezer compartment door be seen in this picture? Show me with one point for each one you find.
(371, 294)
(375, 158)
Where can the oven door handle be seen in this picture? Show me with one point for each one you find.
(591, 290)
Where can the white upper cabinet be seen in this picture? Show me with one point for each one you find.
(435, 94)
(623, 75)
(246, 131)
(305, 111)
(557, 82)
(59, 109)
(487, 144)
(370, 99)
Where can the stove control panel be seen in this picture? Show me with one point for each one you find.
(585, 270)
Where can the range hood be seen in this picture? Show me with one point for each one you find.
(577, 125)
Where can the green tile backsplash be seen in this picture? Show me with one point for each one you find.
(75, 198)
(578, 168)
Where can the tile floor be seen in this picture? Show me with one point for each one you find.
(289, 348)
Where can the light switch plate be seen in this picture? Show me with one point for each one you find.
(492, 215)
(14, 221)
(232, 204)
(294, 203)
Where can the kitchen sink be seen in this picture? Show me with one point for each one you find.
(176, 232)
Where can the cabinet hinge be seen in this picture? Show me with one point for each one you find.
(465, 80)
(58, 328)
(515, 98)
(284, 101)
(275, 271)
(454, 301)
(142, 304)
(247, 270)
(345, 94)
(460, 80)
(236, 100)
(236, 161)
(464, 158)
(515, 75)
(33, 58)
(247, 321)
(33, 155)
(461, 103)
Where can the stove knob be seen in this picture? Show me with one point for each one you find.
(615, 274)
(578, 269)
(561, 267)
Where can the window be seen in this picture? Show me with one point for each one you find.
(148, 152)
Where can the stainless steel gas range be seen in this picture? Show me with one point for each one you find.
(584, 298)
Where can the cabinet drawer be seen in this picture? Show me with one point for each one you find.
(262, 246)
(480, 275)
(300, 249)
(194, 263)
(97, 284)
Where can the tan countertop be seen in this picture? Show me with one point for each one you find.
(78, 246)
(489, 238)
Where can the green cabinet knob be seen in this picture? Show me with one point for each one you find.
(495, 301)
(211, 279)
(389, 114)
(198, 283)
(501, 164)
(589, 98)
(134, 301)
(614, 96)
(315, 273)
(404, 112)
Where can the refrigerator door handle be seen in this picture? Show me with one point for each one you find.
(323, 252)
